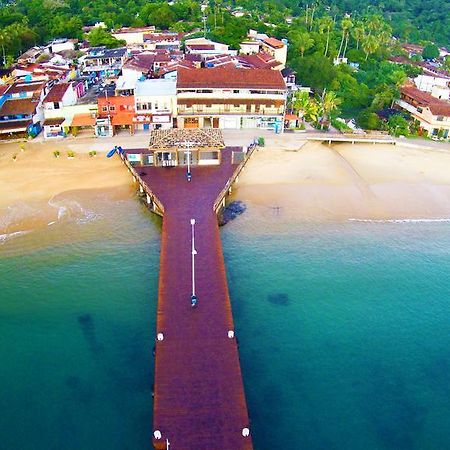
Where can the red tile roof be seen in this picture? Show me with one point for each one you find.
(275, 43)
(56, 92)
(229, 78)
(426, 100)
(201, 47)
(54, 121)
(13, 107)
(26, 86)
(141, 62)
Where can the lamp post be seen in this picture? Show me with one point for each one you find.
(188, 173)
(193, 253)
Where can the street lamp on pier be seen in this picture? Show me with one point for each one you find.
(189, 153)
(193, 253)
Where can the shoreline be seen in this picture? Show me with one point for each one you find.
(296, 179)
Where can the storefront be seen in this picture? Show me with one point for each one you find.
(54, 128)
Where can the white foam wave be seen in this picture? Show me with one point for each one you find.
(7, 236)
(443, 219)
(71, 209)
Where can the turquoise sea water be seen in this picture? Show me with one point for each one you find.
(343, 331)
(77, 314)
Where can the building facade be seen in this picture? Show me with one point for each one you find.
(155, 104)
(231, 98)
(432, 114)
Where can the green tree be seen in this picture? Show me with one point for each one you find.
(328, 103)
(398, 125)
(370, 45)
(346, 24)
(326, 24)
(99, 37)
(369, 120)
(302, 41)
(430, 51)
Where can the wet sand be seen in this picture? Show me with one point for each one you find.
(344, 181)
(38, 189)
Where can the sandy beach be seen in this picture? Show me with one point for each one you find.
(38, 189)
(295, 178)
(343, 181)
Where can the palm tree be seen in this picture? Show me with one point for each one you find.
(346, 24)
(329, 101)
(358, 34)
(326, 23)
(301, 103)
(4, 41)
(370, 45)
(304, 42)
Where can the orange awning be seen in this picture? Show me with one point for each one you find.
(122, 119)
(83, 120)
(291, 117)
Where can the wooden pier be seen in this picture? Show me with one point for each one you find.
(199, 400)
(351, 138)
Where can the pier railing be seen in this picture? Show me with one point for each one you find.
(223, 193)
(152, 199)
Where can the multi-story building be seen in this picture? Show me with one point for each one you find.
(55, 120)
(275, 48)
(155, 104)
(228, 97)
(432, 113)
(261, 43)
(102, 62)
(21, 108)
(115, 113)
(163, 41)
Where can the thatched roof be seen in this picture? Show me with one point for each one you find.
(194, 138)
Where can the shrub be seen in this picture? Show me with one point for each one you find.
(71, 154)
(75, 131)
(92, 153)
(56, 154)
(261, 141)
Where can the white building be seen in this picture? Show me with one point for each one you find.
(60, 45)
(155, 104)
(133, 36)
(55, 119)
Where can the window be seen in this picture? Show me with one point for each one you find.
(112, 108)
(56, 105)
(144, 106)
(235, 91)
(440, 118)
(419, 110)
(226, 107)
(104, 108)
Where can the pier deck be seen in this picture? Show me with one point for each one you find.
(199, 396)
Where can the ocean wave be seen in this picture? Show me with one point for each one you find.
(443, 219)
(7, 236)
(72, 210)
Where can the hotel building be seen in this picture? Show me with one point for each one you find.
(232, 98)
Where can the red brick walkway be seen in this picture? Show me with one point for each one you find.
(199, 395)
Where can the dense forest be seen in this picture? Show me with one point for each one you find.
(26, 22)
